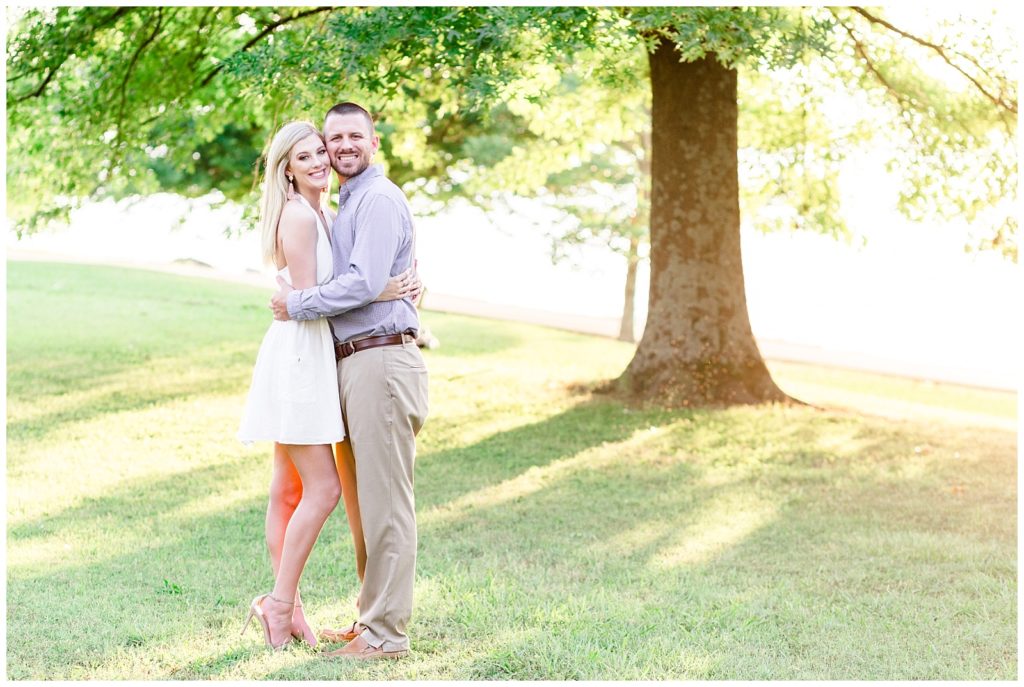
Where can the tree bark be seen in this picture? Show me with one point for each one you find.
(626, 332)
(697, 348)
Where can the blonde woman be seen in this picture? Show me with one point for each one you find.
(293, 400)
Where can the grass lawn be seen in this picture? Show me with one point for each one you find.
(562, 535)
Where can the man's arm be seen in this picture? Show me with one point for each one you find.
(378, 238)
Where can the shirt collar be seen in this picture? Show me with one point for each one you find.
(359, 181)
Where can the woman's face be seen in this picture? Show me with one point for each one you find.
(309, 164)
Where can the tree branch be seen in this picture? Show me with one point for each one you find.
(70, 46)
(997, 100)
(131, 67)
(200, 53)
(263, 34)
(901, 100)
(22, 75)
(42, 86)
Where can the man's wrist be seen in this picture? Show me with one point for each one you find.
(292, 301)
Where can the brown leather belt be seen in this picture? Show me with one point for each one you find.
(344, 350)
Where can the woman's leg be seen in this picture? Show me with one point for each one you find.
(285, 494)
(320, 493)
(347, 474)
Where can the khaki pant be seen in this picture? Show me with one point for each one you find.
(384, 402)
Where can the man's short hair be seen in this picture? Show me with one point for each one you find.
(351, 108)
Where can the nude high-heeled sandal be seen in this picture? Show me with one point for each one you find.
(256, 609)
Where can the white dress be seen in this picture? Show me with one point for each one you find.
(294, 394)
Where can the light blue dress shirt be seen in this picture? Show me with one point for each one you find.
(372, 241)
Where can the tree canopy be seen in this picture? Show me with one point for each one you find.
(472, 101)
(114, 101)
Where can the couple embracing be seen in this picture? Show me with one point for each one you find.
(339, 368)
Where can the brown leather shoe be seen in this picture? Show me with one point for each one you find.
(359, 650)
(345, 634)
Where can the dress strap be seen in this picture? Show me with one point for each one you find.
(320, 220)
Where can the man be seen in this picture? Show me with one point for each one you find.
(381, 374)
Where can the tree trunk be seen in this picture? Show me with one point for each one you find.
(697, 348)
(626, 332)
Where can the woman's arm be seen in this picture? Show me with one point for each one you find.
(405, 285)
(296, 234)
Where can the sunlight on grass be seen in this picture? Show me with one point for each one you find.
(118, 448)
(562, 535)
(534, 479)
(216, 503)
(40, 553)
(716, 527)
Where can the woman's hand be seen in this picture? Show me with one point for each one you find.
(405, 285)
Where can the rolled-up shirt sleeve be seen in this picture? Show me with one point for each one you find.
(379, 233)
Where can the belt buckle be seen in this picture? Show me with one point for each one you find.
(347, 349)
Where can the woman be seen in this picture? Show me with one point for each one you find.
(293, 400)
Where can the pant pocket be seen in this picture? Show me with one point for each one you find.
(421, 403)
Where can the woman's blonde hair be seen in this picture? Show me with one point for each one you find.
(275, 184)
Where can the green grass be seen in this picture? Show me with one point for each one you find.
(562, 536)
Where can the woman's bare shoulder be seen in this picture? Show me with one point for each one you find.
(296, 220)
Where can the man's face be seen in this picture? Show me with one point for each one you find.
(350, 144)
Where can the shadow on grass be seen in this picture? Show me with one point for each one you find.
(200, 373)
(456, 471)
(133, 502)
(176, 576)
(744, 567)
(593, 572)
(166, 545)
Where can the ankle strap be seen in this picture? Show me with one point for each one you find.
(271, 596)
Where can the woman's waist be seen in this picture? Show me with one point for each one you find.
(292, 328)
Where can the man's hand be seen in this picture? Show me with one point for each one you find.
(279, 303)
